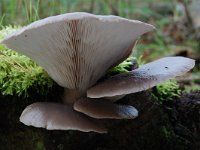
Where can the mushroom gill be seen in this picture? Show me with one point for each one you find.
(76, 49)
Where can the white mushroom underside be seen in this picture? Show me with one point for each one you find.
(142, 78)
(76, 49)
(53, 116)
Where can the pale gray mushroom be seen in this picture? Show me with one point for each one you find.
(54, 116)
(142, 78)
(102, 108)
(76, 50)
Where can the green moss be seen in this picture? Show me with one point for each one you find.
(123, 67)
(166, 91)
(19, 75)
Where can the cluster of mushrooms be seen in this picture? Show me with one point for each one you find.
(77, 50)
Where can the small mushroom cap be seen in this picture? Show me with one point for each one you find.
(102, 109)
(53, 116)
(76, 49)
(142, 78)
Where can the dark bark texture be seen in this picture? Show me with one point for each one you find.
(156, 128)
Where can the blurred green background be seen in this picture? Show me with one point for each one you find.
(173, 35)
(23, 11)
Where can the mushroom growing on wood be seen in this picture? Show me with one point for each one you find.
(76, 50)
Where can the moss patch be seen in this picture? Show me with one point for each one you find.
(166, 91)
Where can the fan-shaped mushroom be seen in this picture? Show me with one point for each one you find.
(76, 50)
(142, 78)
(54, 116)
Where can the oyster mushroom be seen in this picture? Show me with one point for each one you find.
(76, 50)
(54, 116)
(143, 78)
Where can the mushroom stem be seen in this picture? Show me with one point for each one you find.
(71, 95)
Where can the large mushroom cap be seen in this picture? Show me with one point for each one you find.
(53, 116)
(76, 49)
(142, 78)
